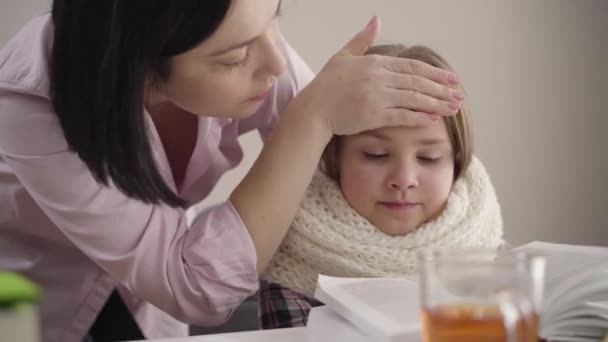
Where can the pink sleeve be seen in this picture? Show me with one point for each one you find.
(197, 274)
(288, 85)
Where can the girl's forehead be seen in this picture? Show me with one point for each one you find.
(435, 133)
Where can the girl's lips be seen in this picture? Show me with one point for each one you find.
(399, 205)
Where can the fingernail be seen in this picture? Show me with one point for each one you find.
(434, 117)
(453, 80)
(454, 106)
(458, 95)
(369, 24)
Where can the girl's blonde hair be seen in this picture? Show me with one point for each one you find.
(458, 125)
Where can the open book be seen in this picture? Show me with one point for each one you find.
(365, 310)
(575, 303)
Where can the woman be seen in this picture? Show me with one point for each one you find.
(115, 116)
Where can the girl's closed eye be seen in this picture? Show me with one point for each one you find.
(375, 155)
(429, 158)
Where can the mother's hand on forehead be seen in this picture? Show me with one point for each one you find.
(356, 92)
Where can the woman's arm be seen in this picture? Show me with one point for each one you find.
(270, 193)
(198, 274)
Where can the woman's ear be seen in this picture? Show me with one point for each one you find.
(154, 93)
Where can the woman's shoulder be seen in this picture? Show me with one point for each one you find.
(27, 127)
(24, 59)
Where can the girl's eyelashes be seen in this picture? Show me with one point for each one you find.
(429, 159)
(374, 156)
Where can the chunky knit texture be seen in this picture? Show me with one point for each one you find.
(329, 237)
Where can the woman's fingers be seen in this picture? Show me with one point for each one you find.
(419, 68)
(354, 93)
(423, 85)
(419, 102)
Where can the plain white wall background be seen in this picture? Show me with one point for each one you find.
(14, 13)
(537, 81)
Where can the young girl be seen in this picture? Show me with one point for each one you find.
(382, 196)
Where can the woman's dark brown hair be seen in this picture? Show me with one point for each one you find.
(103, 53)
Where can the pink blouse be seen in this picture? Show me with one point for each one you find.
(80, 240)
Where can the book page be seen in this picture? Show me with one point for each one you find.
(564, 261)
(386, 309)
(601, 306)
(396, 298)
(575, 276)
(568, 267)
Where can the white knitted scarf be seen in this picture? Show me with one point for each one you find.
(329, 237)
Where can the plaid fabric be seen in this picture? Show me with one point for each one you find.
(280, 307)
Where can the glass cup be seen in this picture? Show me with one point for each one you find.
(480, 295)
